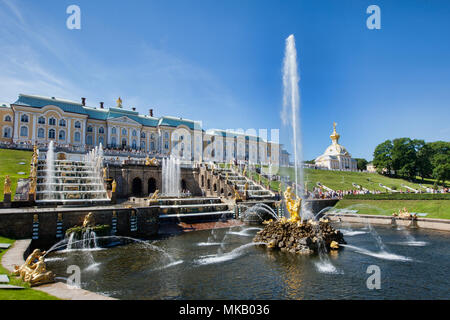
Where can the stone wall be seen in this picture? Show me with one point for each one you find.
(18, 224)
(141, 180)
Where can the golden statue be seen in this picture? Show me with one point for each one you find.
(293, 204)
(154, 196)
(33, 185)
(39, 274)
(226, 177)
(27, 266)
(104, 173)
(113, 186)
(153, 162)
(7, 186)
(246, 187)
(237, 196)
(147, 161)
(89, 220)
(119, 103)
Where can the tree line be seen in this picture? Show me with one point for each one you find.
(409, 158)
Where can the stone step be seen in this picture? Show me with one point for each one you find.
(5, 245)
(10, 287)
(199, 214)
(4, 278)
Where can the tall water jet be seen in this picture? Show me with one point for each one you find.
(49, 183)
(291, 108)
(171, 176)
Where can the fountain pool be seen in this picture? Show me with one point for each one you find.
(190, 266)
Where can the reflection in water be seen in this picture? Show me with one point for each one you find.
(231, 267)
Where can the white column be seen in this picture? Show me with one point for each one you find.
(108, 138)
(95, 135)
(69, 124)
(16, 125)
(148, 141)
(129, 137)
(33, 135)
(83, 133)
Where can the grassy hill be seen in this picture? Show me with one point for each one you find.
(342, 180)
(10, 164)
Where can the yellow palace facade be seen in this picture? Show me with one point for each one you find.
(38, 120)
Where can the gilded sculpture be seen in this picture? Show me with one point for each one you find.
(113, 186)
(89, 220)
(293, 204)
(34, 270)
(7, 186)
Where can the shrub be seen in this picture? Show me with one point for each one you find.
(399, 196)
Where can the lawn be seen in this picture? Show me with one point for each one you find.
(343, 180)
(10, 165)
(439, 209)
(24, 294)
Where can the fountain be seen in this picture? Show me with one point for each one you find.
(69, 181)
(171, 177)
(291, 107)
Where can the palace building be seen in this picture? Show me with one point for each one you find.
(336, 157)
(38, 120)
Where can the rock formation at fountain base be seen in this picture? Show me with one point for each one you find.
(301, 238)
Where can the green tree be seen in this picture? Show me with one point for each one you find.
(382, 158)
(361, 163)
(424, 165)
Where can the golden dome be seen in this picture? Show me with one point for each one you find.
(335, 136)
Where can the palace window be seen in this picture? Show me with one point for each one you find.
(152, 136)
(89, 139)
(52, 121)
(77, 137)
(134, 133)
(113, 130)
(101, 140)
(62, 123)
(124, 132)
(62, 135)
(152, 145)
(113, 141)
(166, 135)
(24, 131)
(7, 118)
(101, 130)
(41, 133)
(51, 133)
(166, 145)
(143, 145)
(41, 120)
(89, 129)
(7, 132)
(77, 124)
(24, 118)
(143, 135)
(134, 144)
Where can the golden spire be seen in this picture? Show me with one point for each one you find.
(119, 103)
(335, 136)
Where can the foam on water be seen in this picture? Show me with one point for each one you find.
(326, 267)
(411, 243)
(207, 244)
(235, 253)
(93, 267)
(380, 255)
(351, 233)
(169, 265)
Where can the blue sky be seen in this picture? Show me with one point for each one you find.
(220, 61)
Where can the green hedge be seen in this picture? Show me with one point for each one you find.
(399, 196)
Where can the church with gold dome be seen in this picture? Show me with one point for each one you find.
(336, 157)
